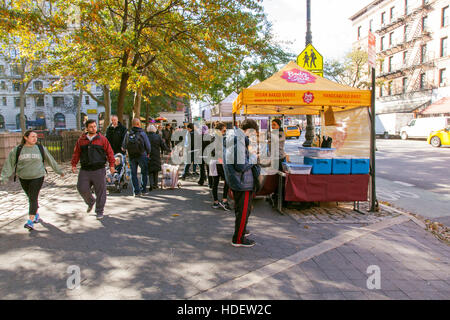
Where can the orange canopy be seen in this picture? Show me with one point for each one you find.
(293, 91)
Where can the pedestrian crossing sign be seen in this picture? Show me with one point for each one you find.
(311, 60)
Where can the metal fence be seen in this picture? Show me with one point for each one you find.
(61, 148)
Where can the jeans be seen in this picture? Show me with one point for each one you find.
(142, 162)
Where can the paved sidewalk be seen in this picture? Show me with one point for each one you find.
(173, 245)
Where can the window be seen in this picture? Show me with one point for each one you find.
(422, 81)
(382, 66)
(444, 19)
(390, 64)
(443, 51)
(16, 102)
(16, 86)
(370, 25)
(392, 13)
(60, 120)
(442, 77)
(98, 88)
(391, 39)
(359, 33)
(38, 85)
(405, 57)
(2, 85)
(383, 18)
(86, 100)
(404, 84)
(389, 88)
(58, 102)
(382, 44)
(3, 101)
(40, 101)
(2, 69)
(406, 7)
(381, 90)
(424, 24)
(423, 53)
(2, 122)
(15, 70)
(405, 33)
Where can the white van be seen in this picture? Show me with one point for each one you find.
(422, 127)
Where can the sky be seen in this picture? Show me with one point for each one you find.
(330, 25)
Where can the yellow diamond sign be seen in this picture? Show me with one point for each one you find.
(311, 60)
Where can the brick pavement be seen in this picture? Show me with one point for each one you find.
(172, 245)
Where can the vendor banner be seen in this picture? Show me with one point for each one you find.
(305, 98)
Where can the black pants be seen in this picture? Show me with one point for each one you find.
(32, 188)
(153, 179)
(243, 207)
(215, 184)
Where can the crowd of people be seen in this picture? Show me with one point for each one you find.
(145, 149)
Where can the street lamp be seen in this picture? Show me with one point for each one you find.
(309, 133)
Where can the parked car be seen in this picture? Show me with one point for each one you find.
(292, 132)
(422, 127)
(440, 138)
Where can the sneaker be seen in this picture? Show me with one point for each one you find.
(36, 218)
(89, 209)
(223, 206)
(137, 195)
(227, 206)
(99, 216)
(29, 225)
(216, 206)
(247, 243)
(247, 233)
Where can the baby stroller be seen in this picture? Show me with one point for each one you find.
(119, 180)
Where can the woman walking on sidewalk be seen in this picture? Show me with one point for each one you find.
(27, 161)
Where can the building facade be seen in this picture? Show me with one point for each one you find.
(413, 61)
(56, 110)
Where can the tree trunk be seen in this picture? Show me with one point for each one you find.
(107, 103)
(137, 103)
(122, 95)
(80, 100)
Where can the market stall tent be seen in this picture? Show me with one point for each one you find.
(295, 91)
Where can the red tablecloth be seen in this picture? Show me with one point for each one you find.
(326, 188)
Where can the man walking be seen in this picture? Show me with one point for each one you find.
(115, 133)
(93, 151)
(241, 171)
(138, 146)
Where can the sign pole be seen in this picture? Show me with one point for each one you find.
(372, 64)
(373, 193)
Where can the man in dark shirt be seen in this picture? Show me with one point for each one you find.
(115, 134)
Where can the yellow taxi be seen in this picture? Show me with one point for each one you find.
(439, 138)
(292, 132)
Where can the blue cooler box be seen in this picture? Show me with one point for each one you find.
(320, 166)
(341, 166)
(360, 166)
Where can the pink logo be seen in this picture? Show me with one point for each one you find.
(298, 76)
(308, 97)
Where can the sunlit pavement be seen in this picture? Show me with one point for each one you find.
(173, 245)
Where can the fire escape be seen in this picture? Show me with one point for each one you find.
(418, 60)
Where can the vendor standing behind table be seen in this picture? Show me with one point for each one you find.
(282, 156)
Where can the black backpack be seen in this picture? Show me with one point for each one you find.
(135, 145)
(19, 150)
